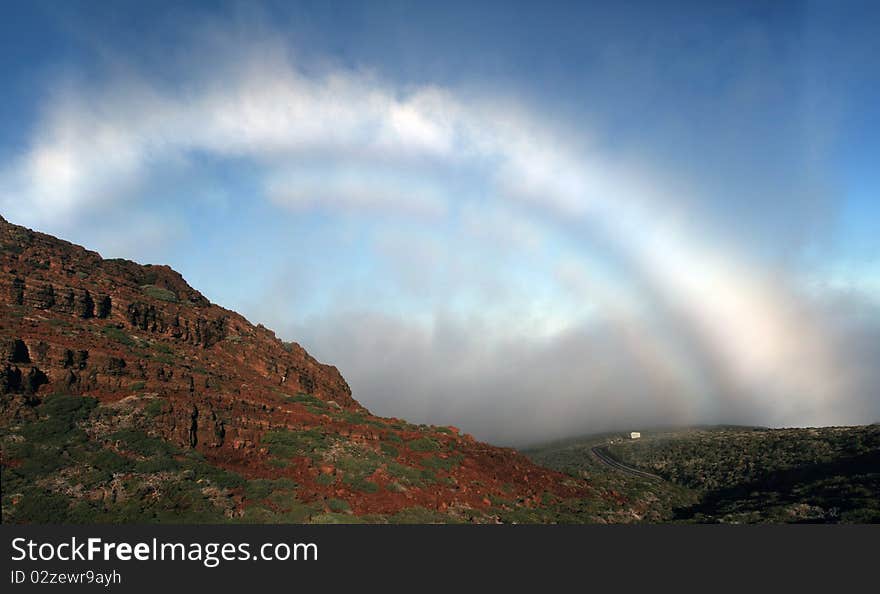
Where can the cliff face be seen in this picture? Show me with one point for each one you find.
(140, 340)
(75, 323)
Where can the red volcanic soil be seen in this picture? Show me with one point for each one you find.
(74, 323)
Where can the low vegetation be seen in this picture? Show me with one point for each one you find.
(159, 293)
(62, 475)
(71, 460)
(738, 474)
(830, 474)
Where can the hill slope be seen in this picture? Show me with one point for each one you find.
(738, 474)
(125, 395)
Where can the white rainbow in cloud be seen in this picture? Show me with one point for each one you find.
(713, 332)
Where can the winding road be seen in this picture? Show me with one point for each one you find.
(606, 458)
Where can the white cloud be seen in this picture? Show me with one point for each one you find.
(343, 188)
(97, 141)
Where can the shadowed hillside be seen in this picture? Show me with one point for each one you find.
(740, 474)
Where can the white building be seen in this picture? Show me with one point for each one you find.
(635, 435)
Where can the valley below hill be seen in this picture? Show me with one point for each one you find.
(737, 475)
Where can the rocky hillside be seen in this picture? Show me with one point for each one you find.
(125, 395)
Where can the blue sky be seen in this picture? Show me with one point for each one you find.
(528, 220)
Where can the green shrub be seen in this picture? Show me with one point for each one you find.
(46, 430)
(287, 443)
(44, 460)
(389, 450)
(154, 407)
(220, 477)
(258, 515)
(156, 464)
(355, 418)
(408, 475)
(338, 505)
(423, 444)
(141, 443)
(159, 293)
(72, 408)
(296, 512)
(438, 463)
(163, 348)
(418, 515)
(114, 333)
(358, 418)
(62, 413)
(39, 506)
(361, 484)
(110, 461)
(258, 488)
(325, 479)
(337, 518)
(13, 450)
(303, 398)
(166, 358)
(263, 488)
(359, 462)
